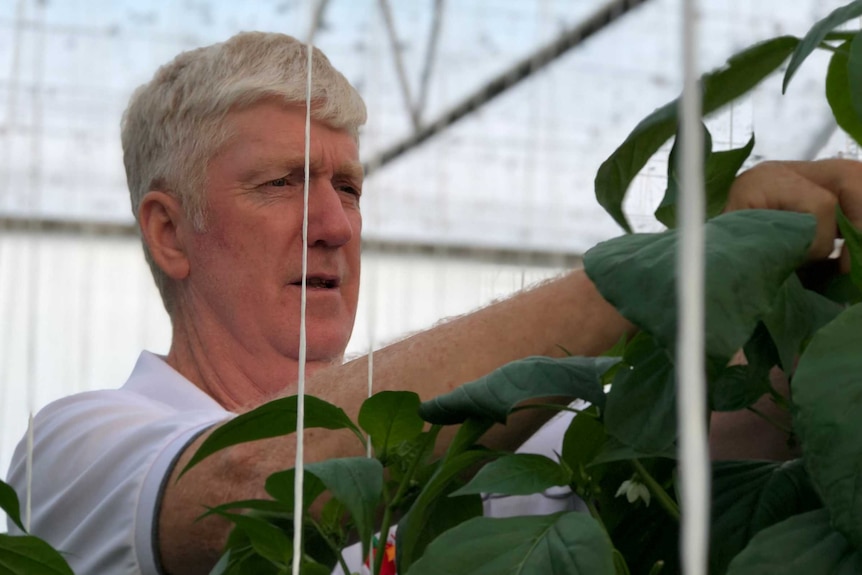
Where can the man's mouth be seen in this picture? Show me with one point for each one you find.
(318, 282)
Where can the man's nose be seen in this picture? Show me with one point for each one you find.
(328, 220)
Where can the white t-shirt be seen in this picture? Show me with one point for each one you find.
(100, 459)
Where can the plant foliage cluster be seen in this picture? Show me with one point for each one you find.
(796, 517)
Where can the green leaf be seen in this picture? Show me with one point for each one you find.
(583, 440)
(802, 545)
(648, 382)
(738, 386)
(280, 486)
(827, 403)
(748, 256)
(853, 243)
(839, 96)
(796, 315)
(817, 34)
(720, 169)
(494, 395)
(666, 211)
(559, 544)
(9, 504)
(358, 483)
(742, 73)
(448, 512)
(28, 555)
(265, 505)
(272, 419)
(749, 496)
(614, 450)
(517, 474)
(620, 565)
(390, 417)
(267, 540)
(411, 536)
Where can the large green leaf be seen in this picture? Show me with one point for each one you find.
(720, 170)
(390, 417)
(448, 512)
(559, 544)
(827, 397)
(749, 496)
(517, 474)
(28, 555)
(641, 406)
(358, 483)
(817, 34)
(796, 315)
(805, 544)
(9, 504)
(273, 419)
(494, 395)
(742, 73)
(839, 96)
(748, 256)
(412, 537)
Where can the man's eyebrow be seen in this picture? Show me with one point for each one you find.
(352, 170)
(286, 165)
(270, 166)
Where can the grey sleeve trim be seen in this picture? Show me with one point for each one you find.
(154, 537)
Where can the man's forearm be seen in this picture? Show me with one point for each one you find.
(563, 314)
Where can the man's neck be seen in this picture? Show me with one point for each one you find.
(233, 375)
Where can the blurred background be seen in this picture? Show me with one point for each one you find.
(483, 206)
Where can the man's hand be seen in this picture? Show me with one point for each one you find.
(809, 187)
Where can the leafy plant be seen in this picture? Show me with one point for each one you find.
(25, 554)
(618, 455)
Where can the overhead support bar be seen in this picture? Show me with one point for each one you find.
(522, 70)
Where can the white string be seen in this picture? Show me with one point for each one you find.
(300, 386)
(691, 404)
(372, 329)
(29, 474)
(34, 252)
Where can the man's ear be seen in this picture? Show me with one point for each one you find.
(162, 220)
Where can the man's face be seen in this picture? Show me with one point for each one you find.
(246, 267)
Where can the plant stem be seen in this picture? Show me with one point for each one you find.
(392, 503)
(384, 537)
(591, 505)
(661, 495)
(331, 544)
(414, 465)
(772, 421)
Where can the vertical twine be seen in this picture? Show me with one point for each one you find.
(691, 384)
(299, 466)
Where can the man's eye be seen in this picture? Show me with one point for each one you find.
(280, 182)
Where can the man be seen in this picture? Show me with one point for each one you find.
(214, 150)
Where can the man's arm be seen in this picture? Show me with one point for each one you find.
(566, 312)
